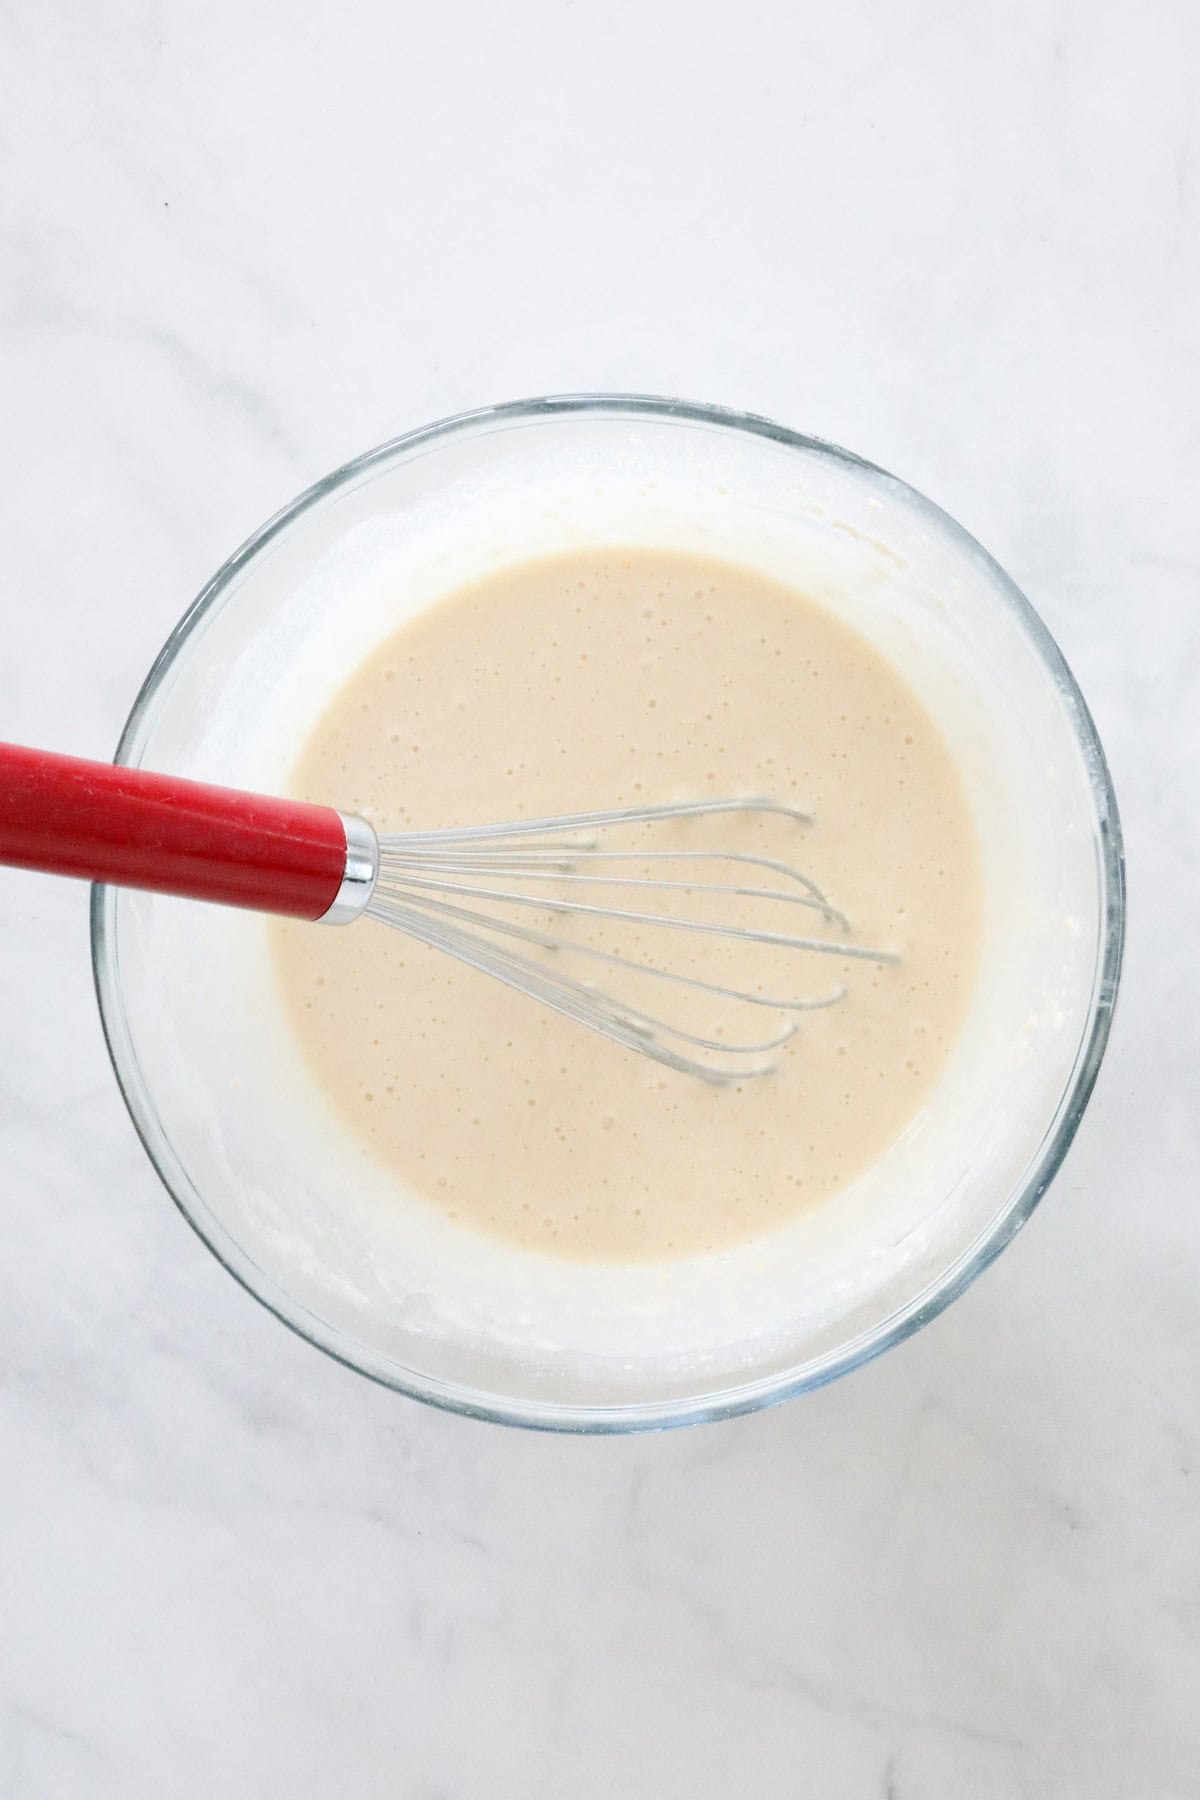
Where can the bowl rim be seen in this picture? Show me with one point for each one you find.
(755, 1393)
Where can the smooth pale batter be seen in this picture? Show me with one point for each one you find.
(602, 679)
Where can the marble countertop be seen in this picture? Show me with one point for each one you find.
(241, 242)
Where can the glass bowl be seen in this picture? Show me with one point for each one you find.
(293, 1207)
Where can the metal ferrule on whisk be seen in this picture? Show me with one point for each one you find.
(360, 874)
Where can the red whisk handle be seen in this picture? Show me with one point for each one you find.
(105, 822)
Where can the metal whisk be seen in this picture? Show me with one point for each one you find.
(506, 899)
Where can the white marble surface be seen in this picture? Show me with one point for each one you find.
(238, 243)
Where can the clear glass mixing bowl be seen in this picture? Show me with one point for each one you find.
(295, 1210)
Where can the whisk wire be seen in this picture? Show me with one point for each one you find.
(424, 877)
(622, 815)
(626, 1025)
(745, 934)
(383, 911)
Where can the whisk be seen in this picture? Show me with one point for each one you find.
(478, 893)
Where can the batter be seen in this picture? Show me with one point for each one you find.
(603, 679)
